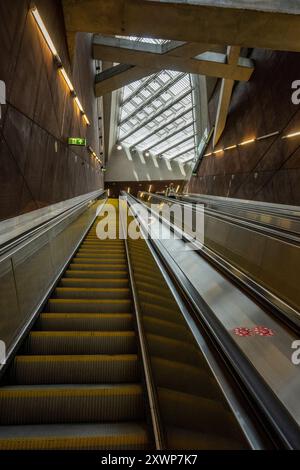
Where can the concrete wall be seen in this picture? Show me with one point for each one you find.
(124, 166)
(267, 170)
(37, 168)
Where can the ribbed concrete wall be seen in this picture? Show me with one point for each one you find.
(37, 167)
(269, 169)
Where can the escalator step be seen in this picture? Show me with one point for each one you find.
(98, 436)
(113, 274)
(74, 369)
(181, 438)
(88, 305)
(197, 413)
(179, 351)
(97, 260)
(80, 342)
(82, 253)
(91, 293)
(41, 404)
(161, 300)
(164, 313)
(184, 377)
(85, 321)
(172, 330)
(95, 267)
(92, 282)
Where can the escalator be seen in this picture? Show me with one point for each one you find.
(193, 410)
(76, 381)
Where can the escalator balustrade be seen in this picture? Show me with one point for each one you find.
(76, 382)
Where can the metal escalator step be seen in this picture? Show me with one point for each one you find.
(45, 404)
(80, 342)
(91, 293)
(95, 267)
(98, 436)
(179, 351)
(147, 278)
(84, 251)
(74, 369)
(102, 243)
(161, 312)
(186, 439)
(96, 241)
(72, 273)
(172, 330)
(161, 300)
(155, 290)
(88, 305)
(144, 264)
(184, 377)
(92, 282)
(85, 321)
(202, 414)
(98, 261)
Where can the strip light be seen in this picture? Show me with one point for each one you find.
(246, 142)
(43, 30)
(93, 154)
(177, 189)
(150, 187)
(86, 119)
(230, 147)
(66, 78)
(266, 136)
(79, 104)
(46, 35)
(249, 141)
(289, 136)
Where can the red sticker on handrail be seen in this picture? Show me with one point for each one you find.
(263, 331)
(257, 330)
(242, 331)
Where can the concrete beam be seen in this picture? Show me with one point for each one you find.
(192, 22)
(214, 66)
(233, 54)
(118, 77)
(123, 74)
(125, 43)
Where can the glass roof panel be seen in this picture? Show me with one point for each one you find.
(157, 112)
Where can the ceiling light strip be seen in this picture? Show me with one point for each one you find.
(41, 25)
(250, 141)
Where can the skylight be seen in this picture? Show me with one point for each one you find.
(157, 114)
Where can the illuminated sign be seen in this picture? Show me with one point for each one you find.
(77, 141)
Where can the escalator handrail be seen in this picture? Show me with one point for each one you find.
(285, 236)
(275, 415)
(14, 245)
(260, 206)
(30, 321)
(287, 313)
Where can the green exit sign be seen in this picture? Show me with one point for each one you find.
(77, 141)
